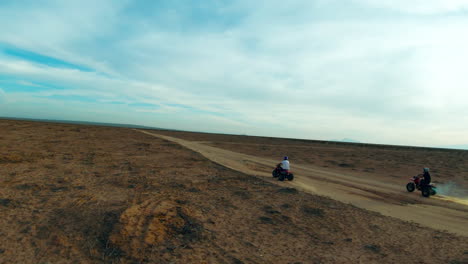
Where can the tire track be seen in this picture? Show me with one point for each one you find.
(368, 193)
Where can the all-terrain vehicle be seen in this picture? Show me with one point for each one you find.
(426, 190)
(281, 174)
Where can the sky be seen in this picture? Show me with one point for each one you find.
(375, 71)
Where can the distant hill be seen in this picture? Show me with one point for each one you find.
(85, 123)
(348, 140)
(464, 147)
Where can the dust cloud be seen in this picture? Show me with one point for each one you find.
(453, 192)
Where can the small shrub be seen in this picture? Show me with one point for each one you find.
(24, 186)
(5, 202)
(266, 220)
(373, 248)
(288, 190)
(193, 189)
(313, 211)
(242, 194)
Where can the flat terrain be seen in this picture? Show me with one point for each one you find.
(352, 180)
(393, 162)
(88, 194)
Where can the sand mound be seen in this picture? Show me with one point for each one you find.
(155, 226)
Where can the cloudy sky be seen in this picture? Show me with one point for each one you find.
(378, 71)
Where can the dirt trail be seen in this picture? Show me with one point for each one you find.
(438, 212)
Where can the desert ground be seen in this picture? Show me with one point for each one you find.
(92, 194)
(375, 183)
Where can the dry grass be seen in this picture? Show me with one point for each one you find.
(110, 195)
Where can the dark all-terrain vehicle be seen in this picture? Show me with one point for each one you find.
(426, 190)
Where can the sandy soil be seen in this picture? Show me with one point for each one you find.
(88, 194)
(369, 191)
(394, 163)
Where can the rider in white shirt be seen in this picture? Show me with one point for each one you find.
(285, 164)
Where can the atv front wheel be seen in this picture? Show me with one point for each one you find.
(410, 186)
(281, 177)
(274, 173)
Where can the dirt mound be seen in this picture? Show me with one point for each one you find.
(155, 226)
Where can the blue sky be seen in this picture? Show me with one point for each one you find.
(372, 70)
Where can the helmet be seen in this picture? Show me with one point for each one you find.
(285, 158)
(426, 169)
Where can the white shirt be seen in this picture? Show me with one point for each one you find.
(285, 164)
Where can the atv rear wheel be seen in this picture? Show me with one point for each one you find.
(410, 186)
(432, 191)
(281, 177)
(290, 177)
(425, 192)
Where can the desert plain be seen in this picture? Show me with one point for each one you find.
(74, 193)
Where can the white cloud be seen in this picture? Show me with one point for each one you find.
(2, 95)
(376, 78)
(420, 6)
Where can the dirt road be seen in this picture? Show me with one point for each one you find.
(369, 192)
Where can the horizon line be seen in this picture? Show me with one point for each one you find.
(126, 125)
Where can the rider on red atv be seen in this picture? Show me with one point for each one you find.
(423, 183)
(426, 177)
(282, 171)
(284, 165)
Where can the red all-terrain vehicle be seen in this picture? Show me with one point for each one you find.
(281, 174)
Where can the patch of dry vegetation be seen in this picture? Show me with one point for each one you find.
(110, 195)
(393, 161)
